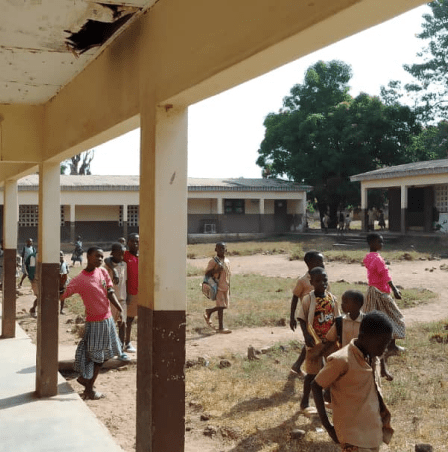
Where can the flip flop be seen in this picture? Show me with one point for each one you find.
(208, 321)
(94, 395)
(224, 331)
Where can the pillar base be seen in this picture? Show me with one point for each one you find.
(160, 380)
(9, 293)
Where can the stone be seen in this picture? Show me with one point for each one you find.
(224, 363)
(205, 417)
(251, 354)
(79, 319)
(297, 434)
(423, 448)
(204, 361)
(265, 350)
(69, 321)
(190, 363)
(209, 431)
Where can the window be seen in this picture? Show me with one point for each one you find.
(28, 215)
(234, 206)
(441, 198)
(133, 216)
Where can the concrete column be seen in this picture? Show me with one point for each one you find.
(364, 221)
(162, 289)
(404, 208)
(72, 222)
(260, 215)
(219, 206)
(48, 274)
(261, 206)
(125, 221)
(10, 221)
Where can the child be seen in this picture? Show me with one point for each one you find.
(63, 277)
(361, 419)
(347, 222)
(346, 328)
(115, 262)
(378, 297)
(316, 316)
(77, 252)
(30, 269)
(381, 221)
(220, 270)
(100, 341)
(26, 251)
(303, 287)
(131, 259)
(325, 221)
(122, 241)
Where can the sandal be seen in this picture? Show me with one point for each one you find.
(224, 331)
(94, 395)
(208, 321)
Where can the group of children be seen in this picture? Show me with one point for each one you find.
(341, 352)
(109, 295)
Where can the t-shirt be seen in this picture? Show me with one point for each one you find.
(323, 315)
(377, 272)
(359, 415)
(132, 270)
(121, 269)
(92, 287)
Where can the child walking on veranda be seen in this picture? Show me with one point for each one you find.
(116, 262)
(100, 341)
(316, 316)
(379, 298)
(219, 268)
(303, 287)
(360, 416)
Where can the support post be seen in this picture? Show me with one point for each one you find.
(72, 222)
(364, 222)
(404, 208)
(48, 274)
(125, 221)
(10, 220)
(162, 289)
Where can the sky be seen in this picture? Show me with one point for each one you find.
(231, 123)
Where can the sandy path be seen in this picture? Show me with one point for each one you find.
(407, 274)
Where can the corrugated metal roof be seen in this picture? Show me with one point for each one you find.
(131, 183)
(408, 169)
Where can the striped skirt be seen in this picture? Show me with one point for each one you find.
(380, 301)
(100, 343)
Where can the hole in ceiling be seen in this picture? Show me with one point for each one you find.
(95, 33)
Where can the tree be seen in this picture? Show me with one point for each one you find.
(322, 136)
(78, 164)
(431, 143)
(431, 87)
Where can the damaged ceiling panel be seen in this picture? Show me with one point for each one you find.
(46, 43)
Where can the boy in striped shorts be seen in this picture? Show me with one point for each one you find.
(100, 341)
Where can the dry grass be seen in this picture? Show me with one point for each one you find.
(256, 403)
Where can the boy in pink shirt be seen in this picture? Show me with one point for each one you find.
(379, 298)
(100, 341)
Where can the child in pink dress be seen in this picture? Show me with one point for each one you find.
(379, 298)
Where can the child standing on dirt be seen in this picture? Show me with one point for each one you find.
(100, 341)
(316, 316)
(63, 277)
(219, 269)
(31, 271)
(379, 298)
(303, 287)
(360, 416)
(346, 327)
(116, 262)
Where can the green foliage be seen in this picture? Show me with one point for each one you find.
(322, 136)
(431, 73)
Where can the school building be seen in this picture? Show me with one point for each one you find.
(75, 74)
(102, 208)
(417, 193)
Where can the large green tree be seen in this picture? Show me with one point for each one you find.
(79, 164)
(322, 136)
(431, 72)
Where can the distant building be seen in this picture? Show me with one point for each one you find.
(417, 192)
(103, 208)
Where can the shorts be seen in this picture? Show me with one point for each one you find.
(132, 305)
(314, 360)
(115, 313)
(222, 299)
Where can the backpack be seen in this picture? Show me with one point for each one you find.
(210, 285)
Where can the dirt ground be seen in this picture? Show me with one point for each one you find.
(117, 410)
